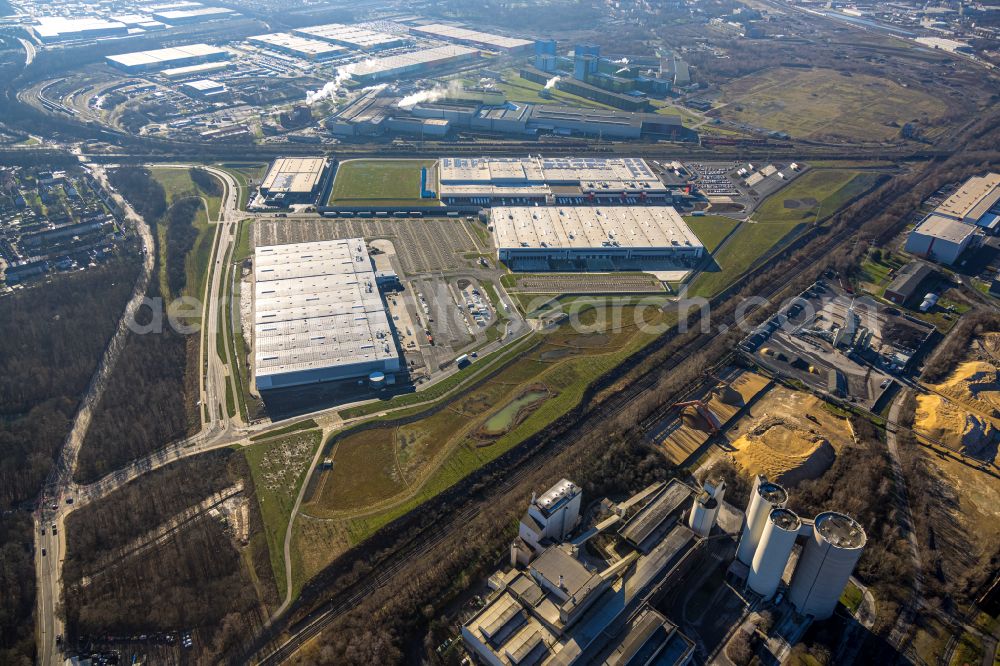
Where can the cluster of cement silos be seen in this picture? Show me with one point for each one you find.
(833, 543)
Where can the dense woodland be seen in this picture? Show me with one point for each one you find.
(145, 405)
(51, 337)
(206, 182)
(194, 579)
(17, 589)
(181, 235)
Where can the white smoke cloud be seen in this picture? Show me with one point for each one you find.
(331, 87)
(621, 61)
(432, 95)
(551, 83)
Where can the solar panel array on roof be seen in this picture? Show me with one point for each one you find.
(521, 176)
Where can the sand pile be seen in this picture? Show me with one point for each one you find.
(975, 381)
(955, 427)
(728, 395)
(783, 450)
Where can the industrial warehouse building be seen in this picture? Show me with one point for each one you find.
(353, 37)
(976, 202)
(293, 180)
(318, 315)
(204, 88)
(55, 29)
(488, 180)
(535, 238)
(906, 282)
(159, 59)
(192, 15)
(415, 63)
(300, 47)
(450, 33)
(941, 239)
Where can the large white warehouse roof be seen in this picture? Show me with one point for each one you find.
(318, 314)
(485, 39)
(161, 58)
(353, 36)
(579, 227)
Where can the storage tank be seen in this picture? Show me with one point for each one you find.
(825, 564)
(376, 380)
(705, 508)
(764, 497)
(775, 546)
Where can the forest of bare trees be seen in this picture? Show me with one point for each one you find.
(51, 337)
(147, 403)
(196, 578)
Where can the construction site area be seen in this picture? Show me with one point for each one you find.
(690, 424)
(962, 412)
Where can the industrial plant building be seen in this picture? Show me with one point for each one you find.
(831, 546)
(593, 237)
(941, 239)
(159, 59)
(450, 33)
(300, 47)
(488, 180)
(353, 37)
(560, 606)
(413, 64)
(318, 315)
(293, 180)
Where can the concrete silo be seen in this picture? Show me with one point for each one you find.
(775, 546)
(826, 563)
(764, 497)
(705, 508)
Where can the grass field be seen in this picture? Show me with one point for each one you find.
(248, 175)
(381, 473)
(711, 229)
(816, 193)
(688, 117)
(851, 597)
(278, 467)
(178, 185)
(823, 103)
(875, 272)
(820, 192)
(388, 182)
